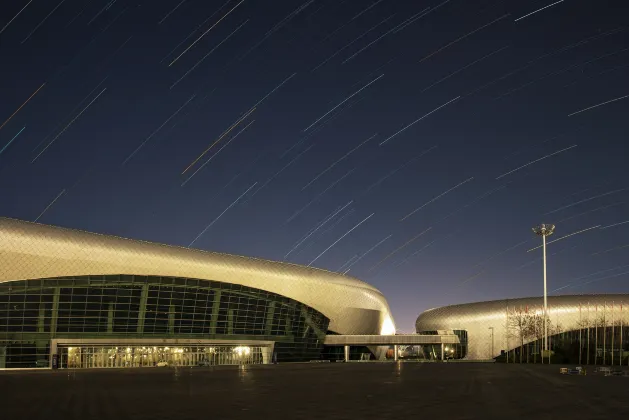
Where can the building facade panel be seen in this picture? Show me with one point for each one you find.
(74, 283)
(34, 312)
(504, 325)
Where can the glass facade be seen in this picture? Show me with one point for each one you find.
(594, 345)
(149, 356)
(32, 312)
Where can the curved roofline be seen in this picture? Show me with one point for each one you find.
(31, 250)
(482, 309)
(565, 313)
(580, 297)
(351, 281)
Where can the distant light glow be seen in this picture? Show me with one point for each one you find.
(388, 328)
(242, 350)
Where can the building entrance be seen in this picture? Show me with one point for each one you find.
(85, 357)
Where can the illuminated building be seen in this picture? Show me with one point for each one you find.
(80, 299)
(585, 329)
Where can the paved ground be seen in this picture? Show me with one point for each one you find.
(317, 391)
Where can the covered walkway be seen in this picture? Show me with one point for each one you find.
(390, 340)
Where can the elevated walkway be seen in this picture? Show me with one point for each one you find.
(390, 340)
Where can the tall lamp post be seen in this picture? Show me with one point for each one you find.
(545, 230)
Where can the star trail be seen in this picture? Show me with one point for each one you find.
(366, 137)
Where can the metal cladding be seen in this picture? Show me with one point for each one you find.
(32, 251)
(566, 313)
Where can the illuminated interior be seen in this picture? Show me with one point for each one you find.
(149, 356)
(121, 307)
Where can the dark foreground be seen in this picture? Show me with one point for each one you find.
(317, 391)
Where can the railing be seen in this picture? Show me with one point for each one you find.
(387, 340)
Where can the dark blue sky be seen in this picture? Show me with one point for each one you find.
(135, 91)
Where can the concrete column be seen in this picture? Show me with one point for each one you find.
(53, 351)
(142, 312)
(110, 318)
(289, 320)
(269, 319)
(266, 355)
(215, 308)
(171, 319)
(289, 325)
(41, 318)
(39, 343)
(442, 352)
(346, 348)
(55, 311)
(395, 352)
(230, 321)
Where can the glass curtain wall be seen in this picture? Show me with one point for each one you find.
(593, 345)
(153, 356)
(32, 312)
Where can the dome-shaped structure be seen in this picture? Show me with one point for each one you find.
(516, 322)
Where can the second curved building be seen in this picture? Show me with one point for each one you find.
(583, 328)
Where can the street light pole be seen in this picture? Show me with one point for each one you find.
(545, 230)
(545, 298)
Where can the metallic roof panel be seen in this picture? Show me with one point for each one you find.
(30, 251)
(479, 318)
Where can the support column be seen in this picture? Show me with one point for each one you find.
(395, 352)
(41, 318)
(142, 311)
(289, 325)
(266, 355)
(110, 318)
(54, 351)
(3, 357)
(42, 341)
(215, 309)
(442, 352)
(230, 321)
(171, 319)
(55, 311)
(289, 320)
(269, 319)
(346, 348)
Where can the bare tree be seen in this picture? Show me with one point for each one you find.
(517, 326)
(534, 328)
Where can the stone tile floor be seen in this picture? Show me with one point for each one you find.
(314, 391)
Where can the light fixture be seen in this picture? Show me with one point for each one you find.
(242, 350)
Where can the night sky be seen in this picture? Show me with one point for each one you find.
(414, 142)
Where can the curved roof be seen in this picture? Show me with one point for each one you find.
(447, 316)
(31, 250)
(482, 319)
